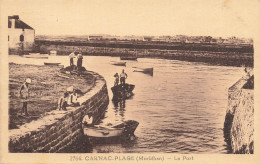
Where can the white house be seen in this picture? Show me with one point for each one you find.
(20, 35)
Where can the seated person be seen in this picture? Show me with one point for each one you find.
(73, 99)
(88, 120)
(62, 103)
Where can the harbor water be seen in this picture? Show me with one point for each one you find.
(180, 109)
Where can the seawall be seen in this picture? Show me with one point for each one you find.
(232, 55)
(59, 129)
(239, 121)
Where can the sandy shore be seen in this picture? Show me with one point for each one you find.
(48, 85)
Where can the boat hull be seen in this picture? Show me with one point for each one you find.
(36, 56)
(124, 129)
(119, 63)
(128, 58)
(122, 91)
(54, 64)
(101, 132)
(145, 71)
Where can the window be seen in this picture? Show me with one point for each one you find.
(8, 37)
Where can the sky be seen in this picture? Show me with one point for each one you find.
(221, 18)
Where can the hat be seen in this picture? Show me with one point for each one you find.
(70, 89)
(28, 80)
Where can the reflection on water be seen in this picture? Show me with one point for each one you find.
(181, 108)
(119, 109)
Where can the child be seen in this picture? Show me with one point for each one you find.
(116, 80)
(24, 95)
(62, 103)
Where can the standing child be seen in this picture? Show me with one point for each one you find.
(24, 95)
(116, 79)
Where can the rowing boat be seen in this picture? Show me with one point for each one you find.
(125, 128)
(37, 56)
(122, 91)
(118, 63)
(52, 64)
(144, 70)
(128, 58)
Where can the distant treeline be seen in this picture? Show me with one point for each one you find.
(238, 48)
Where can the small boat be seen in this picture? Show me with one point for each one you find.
(128, 58)
(122, 91)
(125, 128)
(144, 70)
(53, 64)
(118, 63)
(37, 56)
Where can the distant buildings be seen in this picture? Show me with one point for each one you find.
(20, 35)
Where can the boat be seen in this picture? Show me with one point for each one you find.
(144, 70)
(49, 63)
(128, 58)
(118, 63)
(37, 56)
(126, 128)
(122, 91)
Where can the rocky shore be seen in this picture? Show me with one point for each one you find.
(239, 121)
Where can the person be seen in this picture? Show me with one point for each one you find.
(79, 62)
(24, 95)
(116, 79)
(88, 119)
(62, 103)
(123, 76)
(73, 99)
(71, 56)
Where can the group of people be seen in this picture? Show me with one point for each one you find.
(79, 57)
(69, 98)
(123, 77)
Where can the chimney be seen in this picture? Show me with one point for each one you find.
(13, 18)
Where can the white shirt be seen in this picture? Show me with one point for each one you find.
(123, 75)
(72, 55)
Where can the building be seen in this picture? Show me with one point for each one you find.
(95, 37)
(20, 35)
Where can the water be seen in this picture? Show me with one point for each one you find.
(181, 109)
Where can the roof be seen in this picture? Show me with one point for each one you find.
(18, 23)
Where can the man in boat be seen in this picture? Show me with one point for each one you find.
(123, 76)
(79, 61)
(88, 119)
(62, 103)
(24, 95)
(116, 79)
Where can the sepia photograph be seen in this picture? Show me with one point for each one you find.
(127, 81)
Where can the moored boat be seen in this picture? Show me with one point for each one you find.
(50, 63)
(118, 63)
(128, 58)
(37, 56)
(122, 91)
(125, 128)
(144, 70)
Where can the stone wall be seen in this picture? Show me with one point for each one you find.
(239, 122)
(59, 129)
(220, 58)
